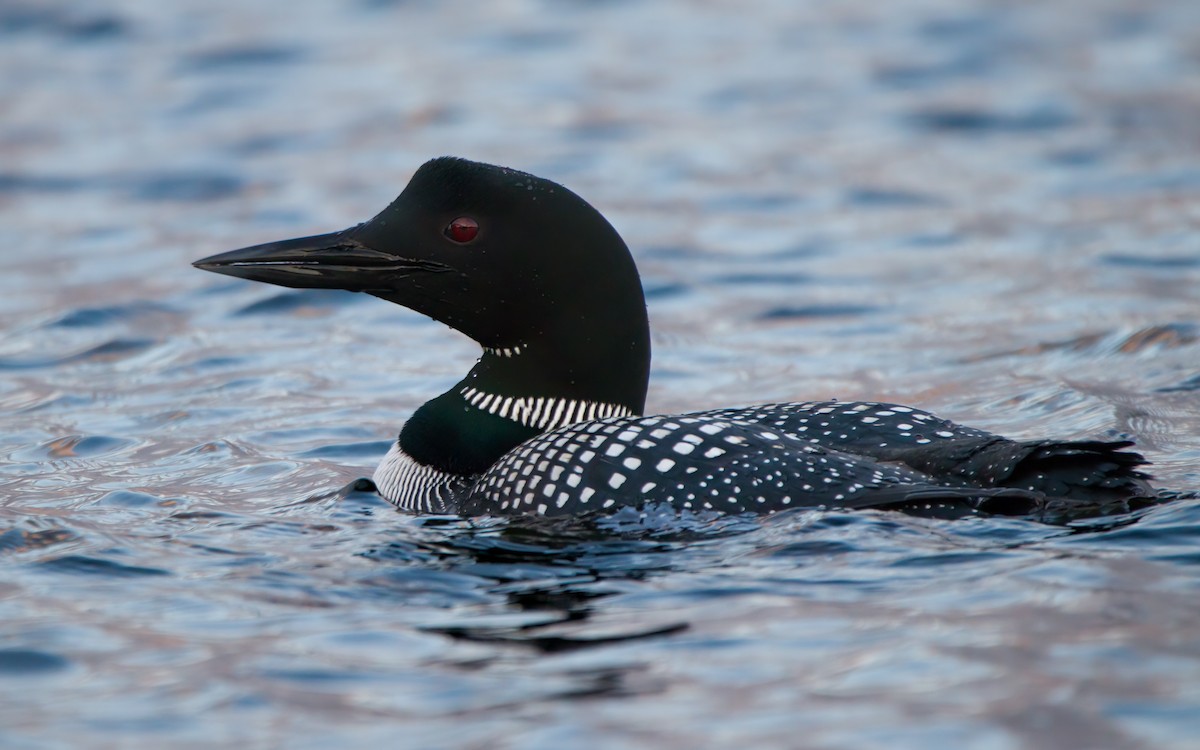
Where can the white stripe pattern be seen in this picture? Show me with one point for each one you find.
(543, 413)
(414, 486)
(508, 351)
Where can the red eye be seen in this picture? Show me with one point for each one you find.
(462, 230)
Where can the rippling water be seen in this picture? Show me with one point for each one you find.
(987, 209)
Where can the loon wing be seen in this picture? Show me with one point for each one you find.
(702, 463)
(949, 453)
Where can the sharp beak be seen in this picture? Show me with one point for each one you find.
(324, 261)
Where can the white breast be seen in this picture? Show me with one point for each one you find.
(414, 486)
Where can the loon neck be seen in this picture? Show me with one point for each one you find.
(615, 374)
(511, 394)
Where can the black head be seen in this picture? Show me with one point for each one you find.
(516, 262)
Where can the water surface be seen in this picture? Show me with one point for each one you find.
(986, 209)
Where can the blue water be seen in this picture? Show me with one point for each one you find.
(987, 209)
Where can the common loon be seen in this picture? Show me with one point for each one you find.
(549, 420)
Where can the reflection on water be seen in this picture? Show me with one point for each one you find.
(985, 209)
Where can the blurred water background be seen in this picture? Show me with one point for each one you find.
(988, 209)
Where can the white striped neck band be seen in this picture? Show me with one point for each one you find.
(505, 351)
(541, 412)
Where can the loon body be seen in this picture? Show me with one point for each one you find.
(550, 419)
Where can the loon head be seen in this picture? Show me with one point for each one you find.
(520, 264)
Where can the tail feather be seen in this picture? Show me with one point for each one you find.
(1086, 470)
(1091, 470)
